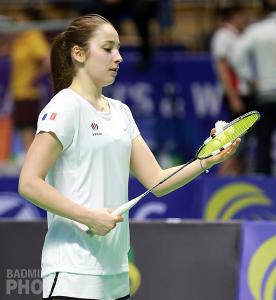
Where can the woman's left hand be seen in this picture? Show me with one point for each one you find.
(223, 155)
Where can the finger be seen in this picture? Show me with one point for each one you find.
(119, 219)
(213, 131)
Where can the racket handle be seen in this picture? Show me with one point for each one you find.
(126, 206)
(117, 212)
(82, 227)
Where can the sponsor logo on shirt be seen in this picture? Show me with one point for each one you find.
(95, 127)
(48, 116)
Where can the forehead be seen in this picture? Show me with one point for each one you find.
(106, 33)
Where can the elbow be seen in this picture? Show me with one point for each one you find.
(22, 187)
(25, 187)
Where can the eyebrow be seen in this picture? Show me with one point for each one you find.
(112, 42)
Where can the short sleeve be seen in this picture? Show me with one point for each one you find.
(59, 118)
(134, 131)
(221, 45)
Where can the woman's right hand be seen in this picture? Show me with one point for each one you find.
(102, 221)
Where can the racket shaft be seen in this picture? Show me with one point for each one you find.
(127, 206)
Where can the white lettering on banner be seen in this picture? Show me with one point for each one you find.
(171, 104)
(139, 94)
(119, 91)
(143, 212)
(207, 99)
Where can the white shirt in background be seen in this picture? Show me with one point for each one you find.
(223, 45)
(255, 55)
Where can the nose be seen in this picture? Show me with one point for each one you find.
(118, 58)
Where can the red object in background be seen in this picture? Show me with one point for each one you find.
(5, 138)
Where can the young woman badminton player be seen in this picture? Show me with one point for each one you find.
(78, 165)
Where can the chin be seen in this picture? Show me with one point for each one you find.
(108, 82)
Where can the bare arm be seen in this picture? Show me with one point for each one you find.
(41, 156)
(147, 170)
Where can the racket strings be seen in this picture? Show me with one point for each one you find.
(228, 135)
(242, 126)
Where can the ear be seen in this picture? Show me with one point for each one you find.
(78, 54)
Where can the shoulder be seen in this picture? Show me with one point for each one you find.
(257, 27)
(66, 96)
(222, 38)
(223, 33)
(64, 101)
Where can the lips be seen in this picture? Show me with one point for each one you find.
(114, 69)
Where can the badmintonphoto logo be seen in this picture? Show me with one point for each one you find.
(23, 282)
(261, 276)
(240, 200)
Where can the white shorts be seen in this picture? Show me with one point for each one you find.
(103, 287)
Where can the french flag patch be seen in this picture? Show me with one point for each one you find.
(47, 116)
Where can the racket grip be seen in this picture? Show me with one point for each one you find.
(117, 212)
(126, 206)
(82, 227)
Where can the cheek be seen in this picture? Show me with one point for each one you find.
(99, 61)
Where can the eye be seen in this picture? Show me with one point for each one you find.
(108, 49)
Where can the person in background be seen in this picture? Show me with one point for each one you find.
(29, 56)
(236, 94)
(255, 61)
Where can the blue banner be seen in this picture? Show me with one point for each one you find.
(207, 197)
(258, 262)
(175, 102)
(180, 204)
(247, 198)
(12, 205)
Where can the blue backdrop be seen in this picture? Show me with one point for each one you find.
(175, 101)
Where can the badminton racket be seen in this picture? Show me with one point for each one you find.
(213, 145)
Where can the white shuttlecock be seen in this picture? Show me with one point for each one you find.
(219, 125)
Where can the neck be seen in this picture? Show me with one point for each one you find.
(90, 93)
(87, 89)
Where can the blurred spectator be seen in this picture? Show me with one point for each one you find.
(255, 58)
(29, 57)
(236, 95)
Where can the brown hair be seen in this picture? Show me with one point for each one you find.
(78, 33)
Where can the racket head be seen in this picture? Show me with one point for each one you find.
(229, 133)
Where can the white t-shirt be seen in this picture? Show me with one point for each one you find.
(222, 47)
(257, 48)
(92, 170)
(223, 42)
